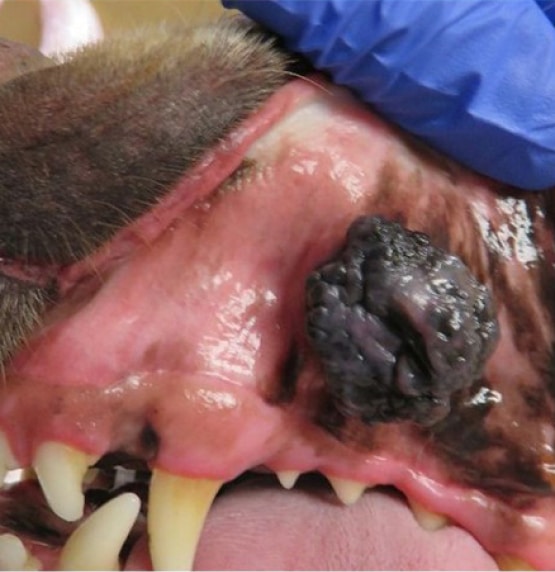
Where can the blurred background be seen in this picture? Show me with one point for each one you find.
(19, 19)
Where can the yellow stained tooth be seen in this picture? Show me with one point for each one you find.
(14, 555)
(177, 509)
(60, 470)
(427, 519)
(96, 543)
(288, 478)
(512, 563)
(348, 492)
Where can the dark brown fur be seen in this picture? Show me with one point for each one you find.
(89, 145)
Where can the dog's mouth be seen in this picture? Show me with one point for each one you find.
(273, 322)
(254, 523)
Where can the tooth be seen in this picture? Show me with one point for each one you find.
(7, 460)
(512, 563)
(288, 478)
(60, 470)
(90, 476)
(96, 543)
(14, 555)
(346, 490)
(177, 510)
(427, 519)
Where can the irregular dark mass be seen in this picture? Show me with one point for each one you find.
(400, 326)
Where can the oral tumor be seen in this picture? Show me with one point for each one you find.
(399, 325)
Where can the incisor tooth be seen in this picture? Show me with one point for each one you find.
(512, 563)
(427, 519)
(348, 492)
(96, 543)
(7, 460)
(288, 478)
(177, 509)
(14, 555)
(60, 470)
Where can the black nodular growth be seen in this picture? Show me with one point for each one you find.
(400, 326)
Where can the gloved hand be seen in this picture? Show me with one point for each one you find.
(474, 78)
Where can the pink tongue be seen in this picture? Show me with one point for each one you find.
(263, 527)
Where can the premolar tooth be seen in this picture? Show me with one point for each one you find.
(512, 563)
(14, 555)
(60, 470)
(177, 509)
(96, 543)
(288, 478)
(427, 519)
(348, 492)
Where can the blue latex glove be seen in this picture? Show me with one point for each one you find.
(474, 78)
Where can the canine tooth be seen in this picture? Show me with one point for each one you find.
(348, 492)
(512, 563)
(60, 470)
(427, 519)
(288, 478)
(96, 543)
(177, 510)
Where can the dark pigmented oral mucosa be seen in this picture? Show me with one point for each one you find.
(399, 325)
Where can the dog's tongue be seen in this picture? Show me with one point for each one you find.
(264, 527)
(260, 526)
